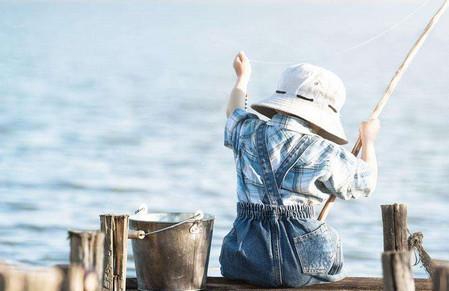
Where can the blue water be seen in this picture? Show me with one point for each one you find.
(106, 105)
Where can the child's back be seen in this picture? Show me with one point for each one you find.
(284, 168)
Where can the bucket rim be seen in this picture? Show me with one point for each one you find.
(144, 217)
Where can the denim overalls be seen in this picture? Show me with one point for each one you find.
(274, 245)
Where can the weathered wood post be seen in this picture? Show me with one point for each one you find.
(76, 278)
(397, 271)
(13, 279)
(73, 277)
(43, 279)
(86, 250)
(440, 275)
(115, 228)
(394, 219)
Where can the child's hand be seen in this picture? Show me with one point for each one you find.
(242, 66)
(369, 130)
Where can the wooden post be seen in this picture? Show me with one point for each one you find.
(44, 279)
(440, 276)
(76, 278)
(115, 228)
(397, 271)
(92, 281)
(13, 279)
(73, 277)
(86, 249)
(394, 219)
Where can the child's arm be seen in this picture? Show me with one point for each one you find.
(349, 177)
(242, 69)
(368, 133)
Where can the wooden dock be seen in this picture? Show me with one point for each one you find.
(98, 263)
(349, 283)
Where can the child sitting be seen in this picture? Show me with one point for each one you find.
(285, 167)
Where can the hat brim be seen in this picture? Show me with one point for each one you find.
(323, 117)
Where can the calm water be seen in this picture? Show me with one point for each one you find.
(106, 105)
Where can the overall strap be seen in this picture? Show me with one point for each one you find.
(272, 195)
(292, 159)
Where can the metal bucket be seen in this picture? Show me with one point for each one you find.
(174, 254)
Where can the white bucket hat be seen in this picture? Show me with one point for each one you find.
(311, 93)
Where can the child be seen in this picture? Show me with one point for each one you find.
(285, 166)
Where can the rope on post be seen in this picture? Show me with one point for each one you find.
(390, 89)
(415, 241)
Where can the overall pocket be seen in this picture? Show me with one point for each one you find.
(316, 251)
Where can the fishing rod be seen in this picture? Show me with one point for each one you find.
(389, 91)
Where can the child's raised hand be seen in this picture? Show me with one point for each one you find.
(369, 130)
(242, 66)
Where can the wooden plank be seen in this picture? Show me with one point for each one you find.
(394, 218)
(107, 228)
(115, 228)
(397, 271)
(349, 283)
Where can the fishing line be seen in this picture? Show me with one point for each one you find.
(390, 89)
(361, 44)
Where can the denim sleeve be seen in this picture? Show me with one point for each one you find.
(348, 177)
(238, 124)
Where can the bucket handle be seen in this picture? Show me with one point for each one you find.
(194, 229)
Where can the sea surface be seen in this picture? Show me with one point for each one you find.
(105, 105)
